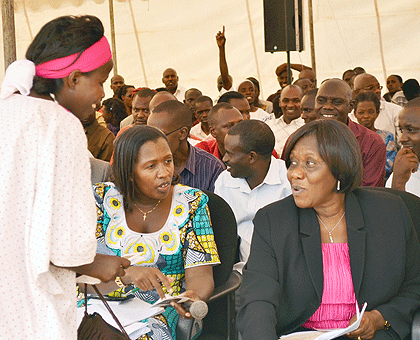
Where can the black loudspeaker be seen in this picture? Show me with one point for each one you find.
(280, 22)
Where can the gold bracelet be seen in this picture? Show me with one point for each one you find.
(387, 325)
(119, 282)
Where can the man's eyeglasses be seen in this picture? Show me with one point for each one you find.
(167, 134)
(372, 88)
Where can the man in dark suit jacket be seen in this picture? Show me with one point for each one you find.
(282, 285)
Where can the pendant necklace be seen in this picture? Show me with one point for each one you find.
(148, 212)
(330, 232)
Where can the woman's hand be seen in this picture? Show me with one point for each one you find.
(103, 267)
(147, 278)
(178, 307)
(371, 322)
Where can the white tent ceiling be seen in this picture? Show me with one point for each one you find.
(181, 34)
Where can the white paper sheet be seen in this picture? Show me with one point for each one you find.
(129, 313)
(323, 334)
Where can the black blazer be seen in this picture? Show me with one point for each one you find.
(283, 280)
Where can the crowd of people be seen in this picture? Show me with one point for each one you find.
(313, 243)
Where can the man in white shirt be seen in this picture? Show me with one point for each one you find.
(406, 175)
(170, 80)
(291, 119)
(388, 114)
(201, 108)
(253, 177)
(237, 100)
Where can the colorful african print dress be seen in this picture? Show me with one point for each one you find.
(186, 240)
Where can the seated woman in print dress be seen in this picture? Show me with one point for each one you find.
(166, 226)
(321, 253)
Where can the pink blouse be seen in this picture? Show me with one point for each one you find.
(338, 303)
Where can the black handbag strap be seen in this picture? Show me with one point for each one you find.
(107, 307)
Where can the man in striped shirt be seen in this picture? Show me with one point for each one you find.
(197, 168)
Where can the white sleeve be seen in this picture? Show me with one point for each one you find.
(64, 207)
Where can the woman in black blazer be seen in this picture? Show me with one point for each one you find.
(330, 247)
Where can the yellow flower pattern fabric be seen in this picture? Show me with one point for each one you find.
(186, 240)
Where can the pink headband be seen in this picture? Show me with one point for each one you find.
(93, 57)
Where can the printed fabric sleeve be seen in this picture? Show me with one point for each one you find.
(199, 245)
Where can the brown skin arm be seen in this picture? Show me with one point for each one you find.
(103, 267)
(371, 322)
(224, 72)
(406, 162)
(200, 286)
(296, 67)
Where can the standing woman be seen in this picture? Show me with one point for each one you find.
(48, 230)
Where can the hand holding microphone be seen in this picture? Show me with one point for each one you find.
(194, 307)
(198, 309)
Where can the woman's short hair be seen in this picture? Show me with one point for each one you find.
(60, 38)
(126, 150)
(116, 108)
(367, 96)
(337, 147)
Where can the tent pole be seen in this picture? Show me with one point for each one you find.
(381, 47)
(311, 35)
(138, 43)
(114, 48)
(9, 35)
(286, 34)
(253, 46)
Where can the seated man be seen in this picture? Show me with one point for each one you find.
(253, 179)
(197, 168)
(191, 95)
(305, 84)
(411, 89)
(388, 115)
(308, 106)
(201, 108)
(237, 100)
(291, 119)
(307, 73)
(221, 118)
(247, 88)
(347, 77)
(281, 73)
(100, 140)
(170, 80)
(117, 82)
(333, 101)
(140, 107)
(406, 175)
(262, 104)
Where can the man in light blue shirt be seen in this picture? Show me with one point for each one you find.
(253, 177)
